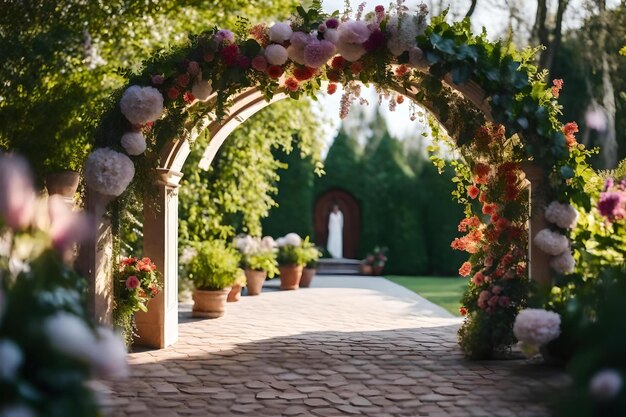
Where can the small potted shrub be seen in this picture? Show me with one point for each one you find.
(291, 259)
(367, 265)
(312, 256)
(235, 291)
(258, 258)
(380, 258)
(213, 271)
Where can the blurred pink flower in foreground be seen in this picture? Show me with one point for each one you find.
(17, 195)
(66, 226)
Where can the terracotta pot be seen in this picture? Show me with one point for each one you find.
(290, 276)
(365, 269)
(307, 276)
(209, 304)
(255, 281)
(234, 294)
(377, 269)
(64, 183)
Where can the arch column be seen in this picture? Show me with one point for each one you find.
(158, 327)
(538, 261)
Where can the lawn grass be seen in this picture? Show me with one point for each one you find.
(444, 291)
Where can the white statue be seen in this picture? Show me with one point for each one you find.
(335, 233)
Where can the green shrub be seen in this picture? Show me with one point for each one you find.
(215, 265)
(294, 251)
(310, 253)
(262, 261)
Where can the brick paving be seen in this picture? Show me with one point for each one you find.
(331, 350)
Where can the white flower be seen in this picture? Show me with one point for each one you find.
(563, 215)
(268, 243)
(280, 242)
(564, 263)
(298, 41)
(536, 326)
(331, 35)
(109, 355)
(141, 105)
(403, 32)
(17, 411)
(109, 172)
(202, 89)
(134, 143)
(187, 254)
(550, 242)
(293, 239)
(352, 34)
(605, 385)
(276, 54)
(70, 335)
(11, 358)
(280, 32)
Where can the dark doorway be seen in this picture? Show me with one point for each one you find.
(351, 219)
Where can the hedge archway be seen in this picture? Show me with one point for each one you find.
(493, 102)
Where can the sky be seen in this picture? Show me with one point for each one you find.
(494, 19)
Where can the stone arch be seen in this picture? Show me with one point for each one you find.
(450, 62)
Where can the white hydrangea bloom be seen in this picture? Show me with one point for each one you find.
(141, 105)
(70, 335)
(276, 54)
(268, 243)
(280, 242)
(552, 243)
(403, 32)
(563, 263)
(536, 326)
(331, 35)
(134, 143)
(11, 358)
(280, 32)
(563, 215)
(605, 385)
(352, 34)
(109, 172)
(293, 239)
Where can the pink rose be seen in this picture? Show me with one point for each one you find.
(193, 68)
(504, 301)
(259, 63)
(132, 282)
(17, 195)
(489, 261)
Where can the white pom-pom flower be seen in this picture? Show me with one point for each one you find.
(11, 358)
(352, 34)
(280, 242)
(141, 105)
(298, 41)
(331, 35)
(134, 143)
(108, 357)
(563, 215)
(109, 172)
(564, 263)
(268, 243)
(70, 335)
(536, 326)
(276, 54)
(280, 32)
(202, 89)
(605, 385)
(403, 33)
(551, 242)
(293, 239)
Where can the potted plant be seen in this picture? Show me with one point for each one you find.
(258, 258)
(367, 265)
(380, 258)
(291, 259)
(136, 282)
(213, 271)
(312, 255)
(235, 291)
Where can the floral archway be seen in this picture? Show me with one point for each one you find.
(493, 102)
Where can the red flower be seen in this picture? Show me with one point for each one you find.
(188, 97)
(481, 171)
(482, 197)
(230, 54)
(338, 62)
(332, 88)
(243, 62)
(478, 279)
(333, 75)
(557, 86)
(507, 259)
(291, 84)
(473, 191)
(489, 208)
(400, 99)
(465, 269)
(402, 70)
(275, 71)
(132, 282)
(182, 80)
(172, 93)
(303, 73)
(356, 67)
(568, 130)
(128, 262)
(463, 311)
(157, 79)
(379, 9)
